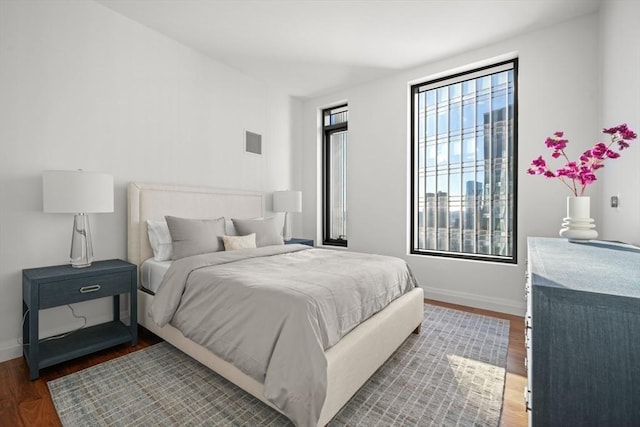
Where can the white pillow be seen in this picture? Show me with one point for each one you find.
(229, 228)
(232, 243)
(160, 240)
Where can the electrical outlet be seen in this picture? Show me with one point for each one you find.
(614, 201)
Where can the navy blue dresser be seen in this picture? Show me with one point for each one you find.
(583, 333)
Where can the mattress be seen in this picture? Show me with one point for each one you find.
(152, 272)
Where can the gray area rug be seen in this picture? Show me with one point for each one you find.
(452, 374)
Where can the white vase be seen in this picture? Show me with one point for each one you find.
(578, 226)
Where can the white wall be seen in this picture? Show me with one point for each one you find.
(620, 61)
(558, 88)
(83, 87)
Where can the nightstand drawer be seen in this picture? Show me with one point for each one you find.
(69, 291)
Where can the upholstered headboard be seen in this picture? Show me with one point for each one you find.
(154, 201)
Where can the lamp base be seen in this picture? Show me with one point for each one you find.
(286, 232)
(81, 254)
(79, 265)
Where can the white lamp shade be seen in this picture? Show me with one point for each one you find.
(77, 192)
(287, 201)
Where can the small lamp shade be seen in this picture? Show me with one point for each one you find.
(287, 201)
(78, 192)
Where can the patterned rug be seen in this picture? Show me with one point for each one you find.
(452, 374)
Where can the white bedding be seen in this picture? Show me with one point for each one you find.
(152, 272)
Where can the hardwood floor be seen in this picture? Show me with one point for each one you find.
(25, 403)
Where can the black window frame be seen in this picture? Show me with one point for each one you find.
(327, 131)
(513, 258)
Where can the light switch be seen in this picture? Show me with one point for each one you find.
(614, 201)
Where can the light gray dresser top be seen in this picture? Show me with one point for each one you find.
(595, 266)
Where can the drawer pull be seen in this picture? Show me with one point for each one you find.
(527, 399)
(90, 288)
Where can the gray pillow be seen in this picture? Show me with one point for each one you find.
(265, 229)
(195, 236)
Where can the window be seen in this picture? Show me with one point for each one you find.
(335, 175)
(463, 154)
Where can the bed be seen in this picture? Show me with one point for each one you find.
(349, 363)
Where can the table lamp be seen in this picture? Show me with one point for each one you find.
(80, 193)
(287, 201)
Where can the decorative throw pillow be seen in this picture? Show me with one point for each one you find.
(265, 229)
(232, 243)
(195, 236)
(160, 240)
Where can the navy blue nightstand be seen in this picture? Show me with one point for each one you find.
(293, 241)
(60, 285)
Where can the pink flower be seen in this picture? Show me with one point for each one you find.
(599, 150)
(621, 134)
(623, 130)
(587, 178)
(561, 144)
(578, 175)
(539, 162)
(612, 154)
(612, 130)
(628, 134)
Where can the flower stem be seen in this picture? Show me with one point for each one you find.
(573, 180)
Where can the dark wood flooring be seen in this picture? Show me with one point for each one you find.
(25, 403)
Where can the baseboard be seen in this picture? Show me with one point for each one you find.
(501, 305)
(12, 349)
